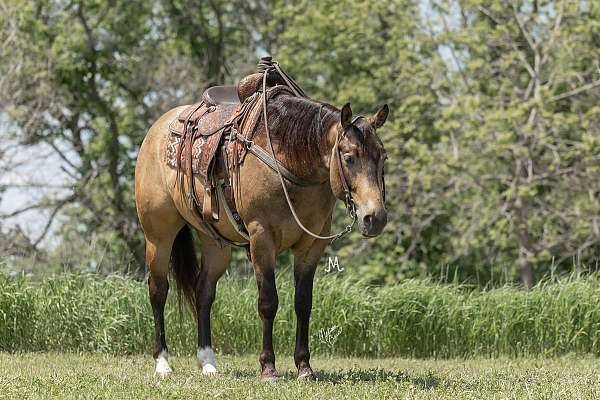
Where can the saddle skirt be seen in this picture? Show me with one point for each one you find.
(208, 125)
(212, 133)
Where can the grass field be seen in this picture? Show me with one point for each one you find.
(53, 375)
(414, 319)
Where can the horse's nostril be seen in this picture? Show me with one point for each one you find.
(368, 220)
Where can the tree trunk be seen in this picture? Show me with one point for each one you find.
(525, 243)
(525, 269)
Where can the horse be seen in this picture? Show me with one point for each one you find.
(340, 154)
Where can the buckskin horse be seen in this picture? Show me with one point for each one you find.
(270, 163)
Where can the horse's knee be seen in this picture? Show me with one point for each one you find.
(268, 305)
(303, 302)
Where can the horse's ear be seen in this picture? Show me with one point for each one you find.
(346, 116)
(378, 119)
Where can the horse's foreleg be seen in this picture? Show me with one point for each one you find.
(263, 259)
(268, 303)
(215, 261)
(304, 272)
(303, 278)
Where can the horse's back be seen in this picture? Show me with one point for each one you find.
(155, 138)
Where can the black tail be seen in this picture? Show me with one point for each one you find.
(184, 268)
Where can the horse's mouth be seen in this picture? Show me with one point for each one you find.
(369, 235)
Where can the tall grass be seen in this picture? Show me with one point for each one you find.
(415, 318)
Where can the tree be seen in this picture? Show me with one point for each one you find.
(87, 78)
(525, 122)
(493, 138)
(370, 53)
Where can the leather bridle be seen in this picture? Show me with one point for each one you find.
(266, 67)
(348, 200)
(271, 66)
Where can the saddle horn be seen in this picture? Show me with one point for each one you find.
(253, 82)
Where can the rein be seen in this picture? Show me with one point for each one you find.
(269, 66)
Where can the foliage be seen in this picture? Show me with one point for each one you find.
(87, 79)
(492, 140)
(414, 318)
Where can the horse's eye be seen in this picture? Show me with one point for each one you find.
(349, 159)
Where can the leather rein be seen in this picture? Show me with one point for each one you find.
(269, 159)
(273, 66)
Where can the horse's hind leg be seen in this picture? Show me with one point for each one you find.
(158, 252)
(215, 260)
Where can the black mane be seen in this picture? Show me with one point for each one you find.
(295, 124)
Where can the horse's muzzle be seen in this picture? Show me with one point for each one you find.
(372, 223)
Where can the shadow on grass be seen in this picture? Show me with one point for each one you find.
(377, 375)
(244, 374)
(426, 382)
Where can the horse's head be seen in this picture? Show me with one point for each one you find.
(356, 168)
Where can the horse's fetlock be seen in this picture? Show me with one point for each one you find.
(301, 357)
(267, 358)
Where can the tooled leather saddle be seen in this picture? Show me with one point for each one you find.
(206, 142)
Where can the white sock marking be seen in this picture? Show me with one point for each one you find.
(162, 364)
(206, 360)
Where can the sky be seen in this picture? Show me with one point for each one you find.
(33, 166)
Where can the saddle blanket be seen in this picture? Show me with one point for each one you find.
(207, 126)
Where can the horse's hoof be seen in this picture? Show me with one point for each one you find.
(306, 375)
(269, 375)
(162, 367)
(209, 370)
(163, 372)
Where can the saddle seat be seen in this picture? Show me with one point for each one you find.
(218, 95)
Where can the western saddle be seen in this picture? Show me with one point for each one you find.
(209, 139)
(218, 95)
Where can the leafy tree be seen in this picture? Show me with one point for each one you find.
(493, 140)
(371, 53)
(87, 78)
(493, 137)
(524, 121)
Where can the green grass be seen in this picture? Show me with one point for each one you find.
(413, 319)
(43, 375)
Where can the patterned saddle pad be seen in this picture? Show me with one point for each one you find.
(205, 120)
